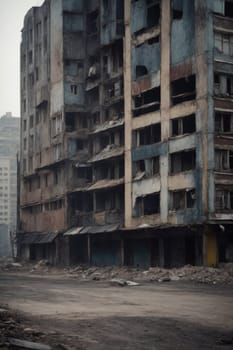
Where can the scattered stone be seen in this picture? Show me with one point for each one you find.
(28, 344)
(164, 279)
(132, 284)
(118, 282)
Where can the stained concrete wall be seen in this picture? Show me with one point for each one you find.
(182, 34)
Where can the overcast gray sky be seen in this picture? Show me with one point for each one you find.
(11, 21)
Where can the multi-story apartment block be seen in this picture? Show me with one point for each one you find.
(9, 146)
(127, 132)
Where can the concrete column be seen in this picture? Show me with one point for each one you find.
(202, 38)
(128, 115)
(89, 249)
(165, 103)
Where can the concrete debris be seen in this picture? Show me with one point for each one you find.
(223, 274)
(28, 344)
(15, 333)
(118, 282)
(122, 282)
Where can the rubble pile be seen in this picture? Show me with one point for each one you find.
(223, 274)
(201, 274)
(17, 333)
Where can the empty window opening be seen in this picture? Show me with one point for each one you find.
(223, 122)
(70, 121)
(154, 40)
(184, 125)
(153, 14)
(57, 176)
(183, 89)
(222, 42)
(224, 200)
(183, 161)
(92, 22)
(223, 85)
(31, 121)
(81, 145)
(148, 204)
(229, 9)
(93, 97)
(109, 200)
(177, 14)
(30, 57)
(147, 101)
(84, 173)
(141, 70)
(119, 17)
(74, 89)
(177, 9)
(46, 180)
(148, 135)
(223, 160)
(183, 199)
(149, 167)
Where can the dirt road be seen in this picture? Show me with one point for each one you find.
(97, 316)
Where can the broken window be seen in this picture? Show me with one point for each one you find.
(222, 42)
(46, 180)
(149, 167)
(56, 125)
(31, 121)
(37, 117)
(24, 105)
(153, 13)
(148, 204)
(30, 57)
(113, 90)
(183, 89)
(25, 144)
(31, 80)
(184, 125)
(223, 122)
(57, 151)
(93, 97)
(74, 89)
(223, 160)
(183, 199)
(37, 73)
(57, 174)
(24, 125)
(92, 22)
(141, 70)
(84, 172)
(228, 9)
(148, 135)
(70, 121)
(31, 142)
(223, 84)
(183, 161)
(177, 9)
(224, 200)
(120, 17)
(38, 31)
(147, 101)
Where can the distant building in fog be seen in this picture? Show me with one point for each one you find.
(9, 146)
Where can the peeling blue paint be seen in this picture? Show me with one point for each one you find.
(149, 151)
(182, 34)
(146, 55)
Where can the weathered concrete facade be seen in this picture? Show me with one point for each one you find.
(126, 143)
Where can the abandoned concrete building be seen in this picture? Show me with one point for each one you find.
(127, 132)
